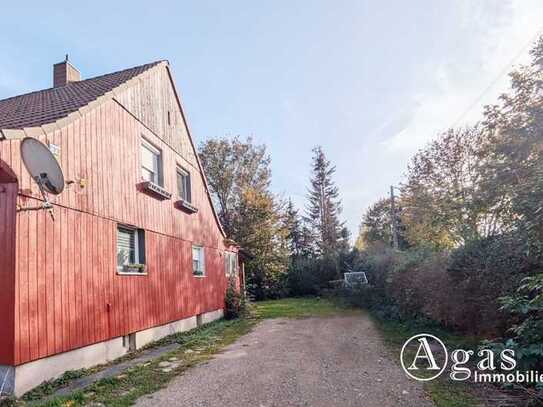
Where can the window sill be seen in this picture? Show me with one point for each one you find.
(125, 273)
(154, 189)
(185, 206)
(133, 270)
(199, 275)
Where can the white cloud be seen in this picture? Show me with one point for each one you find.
(494, 36)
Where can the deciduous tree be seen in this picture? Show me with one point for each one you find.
(239, 175)
(376, 225)
(515, 125)
(231, 167)
(444, 199)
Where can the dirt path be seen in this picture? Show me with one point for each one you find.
(337, 361)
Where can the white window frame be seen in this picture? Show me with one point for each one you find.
(157, 171)
(201, 261)
(137, 254)
(230, 264)
(182, 172)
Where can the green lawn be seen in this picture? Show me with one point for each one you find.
(298, 308)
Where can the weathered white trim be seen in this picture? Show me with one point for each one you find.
(33, 131)
(13, 133)
(32, 374)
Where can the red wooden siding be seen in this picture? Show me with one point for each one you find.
(67, 291)
(8, 197)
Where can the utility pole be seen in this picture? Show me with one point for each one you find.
(395, 243)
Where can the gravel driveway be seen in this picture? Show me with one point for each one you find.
(336, 361)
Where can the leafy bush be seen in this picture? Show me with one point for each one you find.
(234, 301)
(262, 284)
(460, 290)
(308, 276)
(485, 270)
(398, 282)
(526, 306)
(302, 278)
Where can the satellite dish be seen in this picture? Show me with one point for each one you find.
(42, 166)
(44, 169)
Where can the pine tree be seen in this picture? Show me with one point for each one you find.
(299, 236)
(324, 206)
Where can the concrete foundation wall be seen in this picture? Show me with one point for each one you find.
(20, 379)
(158, 332)
(32, 374)
(212, 316)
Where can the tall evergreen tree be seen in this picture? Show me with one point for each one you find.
(298, 235)
(324, 206)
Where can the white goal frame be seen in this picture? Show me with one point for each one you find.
(355, 278)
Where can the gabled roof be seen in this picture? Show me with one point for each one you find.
(48, 105)
(37, 113)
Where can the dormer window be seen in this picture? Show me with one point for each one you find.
(151, 163)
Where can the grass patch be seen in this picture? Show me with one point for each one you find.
(450, 394)
(49, 387)
(299, 308)
(395, 333)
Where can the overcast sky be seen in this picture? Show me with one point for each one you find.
(370, 81)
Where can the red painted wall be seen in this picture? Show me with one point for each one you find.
(67, 292)
(8, 197)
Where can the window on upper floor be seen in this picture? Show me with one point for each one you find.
(183, 184)
(151, 163)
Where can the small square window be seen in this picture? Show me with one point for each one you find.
(198, 261)
(183, 184)
(130, 250)
(151, 163)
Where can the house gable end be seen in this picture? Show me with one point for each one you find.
(152, 98)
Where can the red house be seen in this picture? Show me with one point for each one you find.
(135, 252)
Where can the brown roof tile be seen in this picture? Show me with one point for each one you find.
(48, 105)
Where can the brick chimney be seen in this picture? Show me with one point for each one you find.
(64, 73)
